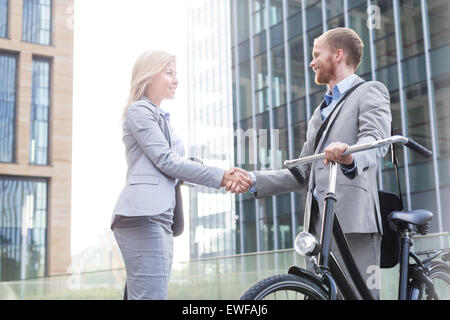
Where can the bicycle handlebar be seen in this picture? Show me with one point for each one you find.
(413, 145)
(410, 143)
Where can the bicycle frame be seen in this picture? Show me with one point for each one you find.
(417, 273)
(330, 269)
(405, 246)
(330, 225)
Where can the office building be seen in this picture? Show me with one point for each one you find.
(212, 217)
(36, 68)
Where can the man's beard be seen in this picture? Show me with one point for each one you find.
(325, 74)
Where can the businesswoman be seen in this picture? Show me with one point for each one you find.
(143, 215)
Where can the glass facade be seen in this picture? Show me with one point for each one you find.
(3, 18)
(8, 88)
(40, 105)
(37, 21)
(212, 220)
(23, 228)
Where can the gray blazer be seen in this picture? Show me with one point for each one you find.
(153, 166)
(364, 116)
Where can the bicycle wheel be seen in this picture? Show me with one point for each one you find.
(285, 287)
(440, 275)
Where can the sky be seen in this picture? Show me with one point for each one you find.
(109, 35)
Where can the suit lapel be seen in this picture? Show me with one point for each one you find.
(166, 130)
(333, 117)
(162, 121)
(316, 122)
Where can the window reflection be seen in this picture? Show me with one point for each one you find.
(313, 13)
(40, 105)
(261, 84)
(336, 22)
(249, 225)
(265, 223)
(245, 90)
(284, 221)
(37, 21)
(8, 89)
(276, 11)
(384, 37)
(295, 25)
(421, 169)
(411, 25)
(23, 225)
(334, 8)
(3, 18)
(243, 28)
(442, 97)
(389, 177)
(358, 21)
(259, 16)
(354, 3)
(439, 22)
(276, 35)
(297, 64)
(314, 87)
(278, 77)
(294, 6)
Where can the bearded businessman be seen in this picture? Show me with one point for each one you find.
(361, 116)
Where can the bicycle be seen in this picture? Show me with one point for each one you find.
(428, 278)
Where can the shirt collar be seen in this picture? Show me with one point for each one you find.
(161, 111)
(340, 89)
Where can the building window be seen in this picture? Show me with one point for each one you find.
(23, 225)
(3, 18)
(40, 105)
(8, 64)
(259, 16)
(37, 21)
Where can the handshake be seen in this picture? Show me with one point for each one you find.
(237, 180)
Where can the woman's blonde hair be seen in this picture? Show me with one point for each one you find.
(149, 64)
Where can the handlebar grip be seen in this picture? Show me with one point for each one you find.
(413, 145)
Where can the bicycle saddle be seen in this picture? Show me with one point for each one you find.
(419, 218)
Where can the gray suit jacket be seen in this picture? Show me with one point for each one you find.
(363, 117)
(153, 166)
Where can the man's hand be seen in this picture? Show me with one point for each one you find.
(333, 153)
(237, 180)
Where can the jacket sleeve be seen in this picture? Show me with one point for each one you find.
(143, 124)
(374, 124)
